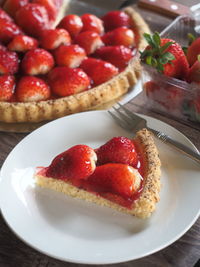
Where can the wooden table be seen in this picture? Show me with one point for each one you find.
(184, 252)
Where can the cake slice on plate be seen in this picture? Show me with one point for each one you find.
(122, 174)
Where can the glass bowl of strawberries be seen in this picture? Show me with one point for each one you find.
(171, 71)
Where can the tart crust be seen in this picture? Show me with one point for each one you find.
(145, 204)
(90, 99)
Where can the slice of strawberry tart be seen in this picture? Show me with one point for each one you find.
(122, 174)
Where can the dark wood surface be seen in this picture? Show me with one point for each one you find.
(185, 252)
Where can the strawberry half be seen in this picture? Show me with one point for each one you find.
(100, 71)
(117, 55)
(66, 81)
(76, 163)
(33, 19)
(166, 56)
(115, 178)
(12, 6)
(70, 56)
(32, 89)
(117, 150)
(92, 23)
(37, 61)
(9, 62)
(72, 23)
(116, 19)
(51, 7)
(22, 43)
(53, 38)
(193, 51)
(8, 30)
(120, 36)
(4, 15)
(7, 86)
(89, 40)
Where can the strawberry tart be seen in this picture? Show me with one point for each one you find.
(50, 69)
(122, 174)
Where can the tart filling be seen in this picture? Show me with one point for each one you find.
(128, 180)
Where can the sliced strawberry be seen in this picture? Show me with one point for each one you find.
(32, 89)
(51, 6)
(12, 6)
(53, 38)
(66, 81)
(193, 51)
(115, 19)
(117, 150)
(120, 36)
(72, 23)
(100, 71)
(33, 19)
(37, 61)
(116, 178)
(92, 23)
(194, 72)
(22, 43)
(89, 40)
(5, 16)
(70, 56)
(76, 163)
(9, 62)
(117, 55)
(7, 86)
(8, 30)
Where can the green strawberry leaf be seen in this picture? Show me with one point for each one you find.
(156, 39)
(165, 46)
(191, 38)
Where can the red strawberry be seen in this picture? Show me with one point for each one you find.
(37, 61)
(116, 19)
(70, 56)
(100, 71)
(194, 72)
(92, 23)
(76, 163)
(12, 6)
(117, 150)
(7, 86)
(117, 55)
(8, 30)
(166, 55)
(193, 51)
(9, 62)
(66, 81)
(89, 40)
(120, 179)
(72, 23)
(120, 36)
(5, 16)
(51, 7)
(22, 43)
(32, 89)
(33, 19)
(53, 38)
(152, 88)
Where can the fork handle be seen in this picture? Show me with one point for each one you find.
(177, 145)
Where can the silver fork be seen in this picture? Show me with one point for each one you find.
(131, 121)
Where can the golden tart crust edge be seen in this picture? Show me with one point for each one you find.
(144, 205)
(90, 99)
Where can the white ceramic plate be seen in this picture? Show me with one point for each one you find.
(76, 231)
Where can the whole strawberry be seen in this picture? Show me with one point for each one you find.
(115, 19)
(166, 56)
(193, 51)
(194, 72)
(72, 23)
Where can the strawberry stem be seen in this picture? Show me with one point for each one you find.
(155, 54)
